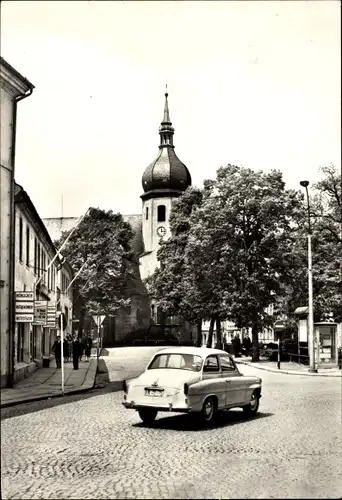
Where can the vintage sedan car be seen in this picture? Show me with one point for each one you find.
(193, 380)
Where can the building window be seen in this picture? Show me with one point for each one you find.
(48, 275)
(146, 217)
(44, 266)
(161, 213)
(35, 255)
(27, 246)
(20, 239)
(38, 260)
(20, 344)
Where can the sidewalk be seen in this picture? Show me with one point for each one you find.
(289, 368)
(46, 383)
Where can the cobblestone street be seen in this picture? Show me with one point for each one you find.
(94, 448)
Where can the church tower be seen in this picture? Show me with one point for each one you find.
(164, 179)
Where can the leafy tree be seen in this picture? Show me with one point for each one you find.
(327, 244)
(101, 243)
(239, 245)
(168, 285)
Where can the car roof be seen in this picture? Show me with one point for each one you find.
(196, 351)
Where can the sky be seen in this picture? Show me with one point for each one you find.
(256, 84)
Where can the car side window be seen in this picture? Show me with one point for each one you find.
(211, 365)
(227, 364)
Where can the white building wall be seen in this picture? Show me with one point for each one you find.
(5, 230)
(12, 86)
(26, 278)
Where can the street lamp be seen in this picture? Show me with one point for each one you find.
(312, 367)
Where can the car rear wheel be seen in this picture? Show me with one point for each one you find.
(209, 410)
(147, 415)
(253, 406)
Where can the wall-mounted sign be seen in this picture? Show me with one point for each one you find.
(51, 316)
(40, 312)
(24, 309)
(24, 318)
(24, 296)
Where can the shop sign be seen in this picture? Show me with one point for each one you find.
(51, 316)
(24, 309)
(24, 318)
(40, 312)
(24, 296)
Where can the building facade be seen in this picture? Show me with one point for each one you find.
(37, 270)
(13, 88)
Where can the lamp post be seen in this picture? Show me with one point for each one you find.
(311, 342)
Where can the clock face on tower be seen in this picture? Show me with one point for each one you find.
(161, 231)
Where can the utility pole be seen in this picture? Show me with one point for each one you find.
(311, 341)
(62, 351)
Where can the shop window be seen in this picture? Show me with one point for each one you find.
(161, 213)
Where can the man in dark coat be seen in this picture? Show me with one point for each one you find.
(236, 343)
(76, 349)
(247, 344)
(57, 350)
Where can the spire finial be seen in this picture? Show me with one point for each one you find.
(166, 118)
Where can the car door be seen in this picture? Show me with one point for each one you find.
(233, 380)
(213, 382)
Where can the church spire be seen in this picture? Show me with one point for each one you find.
(166, 108)
(166, 130)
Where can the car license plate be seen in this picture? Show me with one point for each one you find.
(153, 393)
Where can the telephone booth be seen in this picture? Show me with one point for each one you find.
(325, 331)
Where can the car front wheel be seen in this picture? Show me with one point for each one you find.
(253, 406)
(209, 410)
(147, 415)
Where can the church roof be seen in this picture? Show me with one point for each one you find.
(166, 175)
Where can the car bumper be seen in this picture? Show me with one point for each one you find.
(170, 408)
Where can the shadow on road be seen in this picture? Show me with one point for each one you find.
(191, 423)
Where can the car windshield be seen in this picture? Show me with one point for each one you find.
(176, 361)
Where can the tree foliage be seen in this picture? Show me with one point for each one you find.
(100, 243)
(233, 253)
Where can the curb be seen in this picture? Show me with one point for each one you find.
(45, 396)
(87, 386)
(288, 372)
(115, 386)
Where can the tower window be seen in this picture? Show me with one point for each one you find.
(146, 213)
(161, 213)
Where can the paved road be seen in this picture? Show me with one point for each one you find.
(95, 448)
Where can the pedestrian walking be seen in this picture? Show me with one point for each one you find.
(57, 350)
(88, 348)
(66, 351)
(236, 343)
(247, 344)
(81, 347)
(76, 348)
